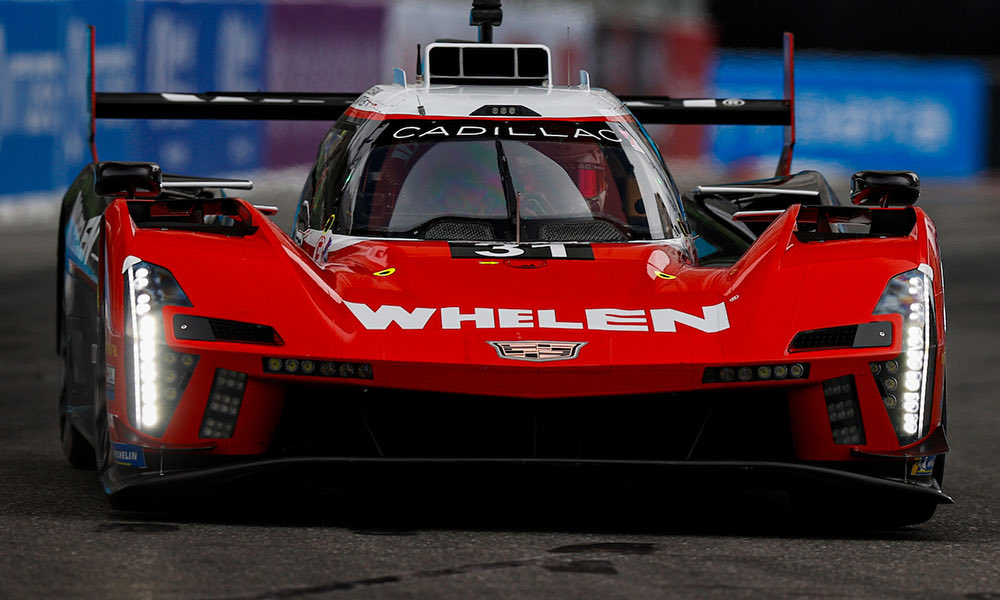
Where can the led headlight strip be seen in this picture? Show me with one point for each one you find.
(907, 381)
(157, 375)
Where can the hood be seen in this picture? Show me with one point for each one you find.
(454, 302)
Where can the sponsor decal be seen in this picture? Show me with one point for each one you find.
(81, 235)
(552, 130)
(538, 250)
(85, 230)
(923, 466)
(538, 351)
(699, 103)
(109, 382)
(713, 319)
(128, 455)
(111, 350)
(322, 249)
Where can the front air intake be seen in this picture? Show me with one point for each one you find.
(223, 407)
(842, 407)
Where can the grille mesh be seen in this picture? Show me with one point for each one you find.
(590, 231)
(236, 331)
(845, 414)
(746, 424)
(451, 230)
(831, 337)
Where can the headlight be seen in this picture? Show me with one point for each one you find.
(157, 375)
(907, 381)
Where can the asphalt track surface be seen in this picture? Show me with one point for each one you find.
(60, 538)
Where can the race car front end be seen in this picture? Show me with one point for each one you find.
(401, 352)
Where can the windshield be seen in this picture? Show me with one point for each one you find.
(589, 181)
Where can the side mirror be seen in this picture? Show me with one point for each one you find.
(129, 179)
(885, 188)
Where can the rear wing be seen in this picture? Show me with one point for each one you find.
(729, 111)
(224, 105)
(329, 107)
(257, 106)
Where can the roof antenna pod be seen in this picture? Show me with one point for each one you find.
(485, 14)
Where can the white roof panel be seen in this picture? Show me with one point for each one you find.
(461, 101)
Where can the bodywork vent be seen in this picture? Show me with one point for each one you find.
(460, 231)
(235, 331)
(831, 337)
(189, 327)
(877, 334)
(589, 231)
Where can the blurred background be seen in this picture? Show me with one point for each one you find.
(892, 84)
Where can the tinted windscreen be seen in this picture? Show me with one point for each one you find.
(509, 180)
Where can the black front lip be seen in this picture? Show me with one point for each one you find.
(675, 474)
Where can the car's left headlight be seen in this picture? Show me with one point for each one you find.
(907, 381)
(157, 375)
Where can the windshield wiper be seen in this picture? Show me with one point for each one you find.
(512, 197)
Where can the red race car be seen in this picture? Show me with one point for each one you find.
(488, 269)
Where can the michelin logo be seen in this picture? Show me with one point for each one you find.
(713, 319)
(128, 455)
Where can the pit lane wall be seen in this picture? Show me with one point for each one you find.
(345, 45)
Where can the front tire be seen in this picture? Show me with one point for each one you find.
(77, 450)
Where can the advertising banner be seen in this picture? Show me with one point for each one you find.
(312, 47)
(196, 47)
(927, 116)
(141, 46)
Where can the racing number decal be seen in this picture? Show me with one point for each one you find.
(538, 250)
(501, 251)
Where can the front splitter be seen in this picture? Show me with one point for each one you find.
(346, 472)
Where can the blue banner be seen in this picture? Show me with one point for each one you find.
(141, 46)
(197, 47)
(927, 116)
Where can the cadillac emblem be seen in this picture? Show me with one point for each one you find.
(538, 351)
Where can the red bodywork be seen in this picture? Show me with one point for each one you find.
(428, 351)
(781, 286)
